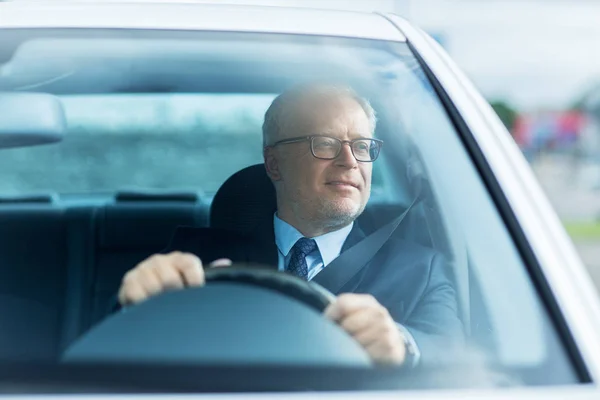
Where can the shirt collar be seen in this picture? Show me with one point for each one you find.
(329, 244)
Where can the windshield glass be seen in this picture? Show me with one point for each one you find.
(156, 124)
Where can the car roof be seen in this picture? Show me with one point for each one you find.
(182, 15)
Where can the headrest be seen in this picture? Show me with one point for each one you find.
(145, 225)
(30, 198)
(158, 196)
(245, 203)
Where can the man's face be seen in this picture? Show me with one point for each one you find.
(315, 191)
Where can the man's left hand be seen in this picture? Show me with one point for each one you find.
(370, 324)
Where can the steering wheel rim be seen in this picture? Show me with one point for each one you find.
(243, 315)
(307, 292)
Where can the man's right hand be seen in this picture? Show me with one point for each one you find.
(162, 272)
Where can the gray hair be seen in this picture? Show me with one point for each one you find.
(283, 104)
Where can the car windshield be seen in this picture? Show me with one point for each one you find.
(157, 121)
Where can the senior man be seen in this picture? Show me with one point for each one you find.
(319, 151)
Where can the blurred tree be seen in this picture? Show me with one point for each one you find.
(584, 99)
(507, 114)
(578, 104)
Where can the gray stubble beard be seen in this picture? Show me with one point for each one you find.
(328, 216)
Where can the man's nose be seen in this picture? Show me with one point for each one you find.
(346, 158)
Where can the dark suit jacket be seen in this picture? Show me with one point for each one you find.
(411, 281)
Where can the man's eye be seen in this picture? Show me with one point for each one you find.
(361, 146)
(326, 143)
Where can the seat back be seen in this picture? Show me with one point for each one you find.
(33, 274)
(128, 233)
(61, 267)
(245, 203)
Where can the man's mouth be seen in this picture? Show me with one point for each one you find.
(343, 184)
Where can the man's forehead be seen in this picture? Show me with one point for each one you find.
(335, 115)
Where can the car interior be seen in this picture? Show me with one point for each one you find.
(62, 262)
(71, 259)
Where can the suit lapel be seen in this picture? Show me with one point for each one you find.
(329, 276)
(355, 236)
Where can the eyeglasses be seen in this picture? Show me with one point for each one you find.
(328, 148)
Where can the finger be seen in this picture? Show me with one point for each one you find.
(348, 303)
(377, 353)
(121, 295)
(122, 298)
(169, 276)
(221, 262)
(190, 267)
(376, 333)
(363, 319)
(133, 293)
(129, 280)
(383, 353)
(149, 281)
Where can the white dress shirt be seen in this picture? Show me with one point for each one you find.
(329, 246)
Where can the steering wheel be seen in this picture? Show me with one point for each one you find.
(241, 316)
(309, 293)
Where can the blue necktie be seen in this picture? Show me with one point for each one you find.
(297, 265)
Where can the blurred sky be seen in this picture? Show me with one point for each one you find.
(535, 53)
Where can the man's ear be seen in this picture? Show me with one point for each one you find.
(271, 164)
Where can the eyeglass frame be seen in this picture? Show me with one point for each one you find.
(312, 137)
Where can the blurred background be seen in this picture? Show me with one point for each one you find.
(538, 64)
